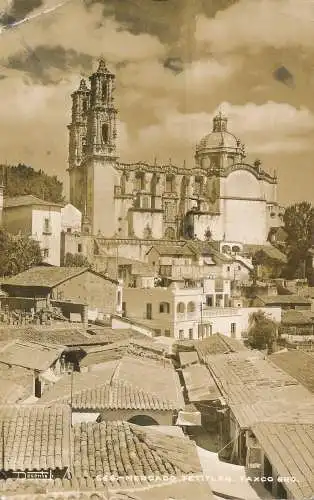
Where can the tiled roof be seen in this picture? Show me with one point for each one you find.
(35, 437)
(16, 384)
(30, 355)
(121, 449)
(284, 299)
(298, 364)
(255, 388)
(125, 384)
(290, 449)
(218, 344)
(271, 251)
(173, 250)
(28, 200)
(294, 317)
(42, 276)
(67, 335)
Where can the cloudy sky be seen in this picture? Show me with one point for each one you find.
(177, 62)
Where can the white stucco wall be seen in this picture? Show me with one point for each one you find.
(51, 241)
(71, 218)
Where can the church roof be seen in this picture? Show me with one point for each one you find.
(219, 137)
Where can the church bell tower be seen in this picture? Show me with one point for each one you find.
(93, 155)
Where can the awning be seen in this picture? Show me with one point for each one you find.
(189, 418)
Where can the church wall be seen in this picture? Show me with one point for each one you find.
(140, 221)
(270, 191)
(122, 206)
(103, 179)
(203, 222)
(245, 221)
(242, 184)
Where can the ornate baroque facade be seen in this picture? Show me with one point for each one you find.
(221, 196)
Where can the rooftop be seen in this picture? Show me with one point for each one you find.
(284, 299)
(295, 317)
(255, 388)
(35, 437)
(67, 335)
(269, 250)
(123, 449)
(129, 383)
(218, 344)
(289, 447)
(173, 250)
(31, 355)
(200, 384)
(28, 200)
(298, 364)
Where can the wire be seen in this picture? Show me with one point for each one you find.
(232, 441)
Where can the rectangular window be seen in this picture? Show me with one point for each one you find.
(148, 311)
(79, 247)
(167, 333)
(45, 253)
(47, 226)
(233, 329)
(191, 333)
(181, 334)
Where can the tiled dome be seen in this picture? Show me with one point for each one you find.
(219, 137)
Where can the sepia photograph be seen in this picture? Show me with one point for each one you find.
(156, 250)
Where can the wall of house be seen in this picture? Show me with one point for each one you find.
(71, 219)
(18, 219)
(137, 298)
(161, 417)
(91, 289)
(51, 241)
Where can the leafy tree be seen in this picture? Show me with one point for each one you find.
(262, 331)
(266, 267)
(17, 253)
(208, 234)
(299, 225)
(22, 180)
(75, 260)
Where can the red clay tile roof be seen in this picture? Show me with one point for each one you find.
(35, 437)
(120, 449)
(28, 200)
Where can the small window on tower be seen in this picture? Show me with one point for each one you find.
(104, 91)
(84, 106)
(84, 146)
(105, 133)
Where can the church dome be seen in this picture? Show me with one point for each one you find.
(219, 137)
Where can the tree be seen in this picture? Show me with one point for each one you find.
(208, 234)
(22, 180)
(299, 225)
(262, 331)
(75, 260)
(17, 253)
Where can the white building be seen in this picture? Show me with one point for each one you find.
(190, 313)
(220, 193)
(71, 219)
(38, 219)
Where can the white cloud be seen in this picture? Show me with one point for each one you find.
(73, 27)
(253, 24)
(269, 128)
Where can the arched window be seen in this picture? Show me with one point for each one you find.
(180, 307)
(84, 146)
(191, 307)
(105, 133)
(164, 307)
(123, 184)
(170, 183)
(142, 420)
(236, 249)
